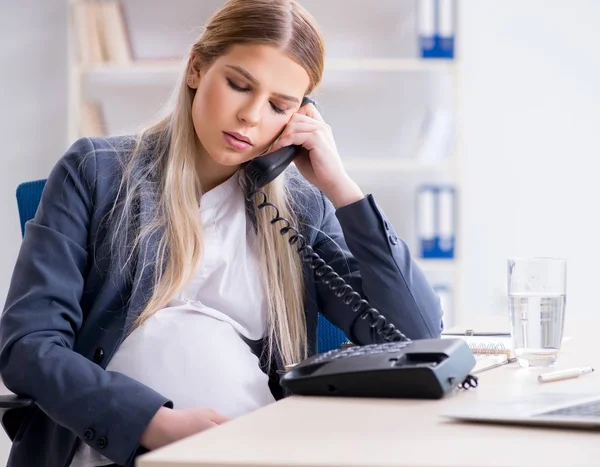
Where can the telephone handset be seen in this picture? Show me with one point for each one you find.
(428, 368)
(264, 169)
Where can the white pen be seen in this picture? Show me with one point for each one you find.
(564, 374)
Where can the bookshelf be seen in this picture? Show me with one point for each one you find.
(169, 67)
(118, 83)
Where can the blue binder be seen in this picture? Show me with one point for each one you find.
(436, 221)
(437, 28)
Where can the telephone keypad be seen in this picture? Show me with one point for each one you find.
(370, 349)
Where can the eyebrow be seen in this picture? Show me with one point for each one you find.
(253, 80)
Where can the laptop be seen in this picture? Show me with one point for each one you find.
(569, 410)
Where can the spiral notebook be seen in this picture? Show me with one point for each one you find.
(490, 351)
(488, 345)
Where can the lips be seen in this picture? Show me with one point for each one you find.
(235, 142)
(240, 137)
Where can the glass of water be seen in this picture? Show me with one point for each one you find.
(537, 294)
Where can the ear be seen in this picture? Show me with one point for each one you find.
(193, 72)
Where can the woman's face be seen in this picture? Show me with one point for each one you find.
(249, 93)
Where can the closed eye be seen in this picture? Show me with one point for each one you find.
(235, 87)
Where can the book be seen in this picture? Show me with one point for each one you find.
(87, 31)
(114, 33)
(101, 32)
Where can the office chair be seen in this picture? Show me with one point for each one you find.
(28, 197)
(11, 406)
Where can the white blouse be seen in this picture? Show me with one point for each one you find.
(191, 351)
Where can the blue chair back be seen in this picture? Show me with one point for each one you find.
(28, 198)
(329, 336)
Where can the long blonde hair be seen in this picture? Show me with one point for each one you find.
(167, 173)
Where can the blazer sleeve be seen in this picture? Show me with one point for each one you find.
(42, 316)
(360, 244)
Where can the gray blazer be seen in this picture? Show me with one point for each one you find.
(66, 312)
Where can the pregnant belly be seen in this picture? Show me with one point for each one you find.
(195, 360)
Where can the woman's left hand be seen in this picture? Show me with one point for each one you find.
(320, 163)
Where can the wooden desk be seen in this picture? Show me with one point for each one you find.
(307, 431)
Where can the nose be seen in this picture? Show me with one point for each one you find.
(250, 113)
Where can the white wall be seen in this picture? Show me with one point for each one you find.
(530, 99)
(33, 93)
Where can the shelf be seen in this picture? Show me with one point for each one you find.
(137, 73)
(382, 64)
(156, 71)
(404, 165)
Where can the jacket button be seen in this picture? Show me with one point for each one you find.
(387, 226)
(393, 240)
(88, 434)
(102, 442)
(98, 355)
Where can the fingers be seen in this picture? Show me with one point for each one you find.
(311, 111)
(304, 119)
(299, 139)
(217, 417)
(297, 118)
(299, 127)
(304, 122)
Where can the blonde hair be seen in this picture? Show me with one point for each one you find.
(167, 169)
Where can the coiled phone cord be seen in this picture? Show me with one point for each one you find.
(338, 285)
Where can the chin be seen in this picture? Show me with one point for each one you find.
(229, 158)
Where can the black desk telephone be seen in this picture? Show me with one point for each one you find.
(428, 368)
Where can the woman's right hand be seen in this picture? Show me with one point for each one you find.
(170, 425)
